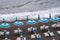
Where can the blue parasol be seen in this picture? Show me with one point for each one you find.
(5, 25)
(31, 22)
(55, 19)
(44, 20)
(18, 23)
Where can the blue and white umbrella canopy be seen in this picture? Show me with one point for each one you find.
(31, 22)
(18, 23)
(5, 25)
(44, 20)
(34, 29)
(55, 19)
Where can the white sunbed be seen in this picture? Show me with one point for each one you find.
(32, 36)
(19, 38)
(51, 34)
(41, 27)
(58, 25)
(29, 29)
(54, 25)
(2, 33)
(58, 32)
(46, 34)
(15, 31)
(38, 36)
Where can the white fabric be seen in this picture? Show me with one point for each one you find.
(18, 38)
(53, 39)
(19, 30)
(29, 29)
(34, 28)
(7, 32)
(58, 25)
(32, 36)
(38, 35)
(15, 31)
(46, 27)
(24, 38)
(54, 25)
(46, 34)
(58, 32)
(42, 27)
(1, 33)
(51, 34)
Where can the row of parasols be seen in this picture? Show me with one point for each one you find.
(29, 21)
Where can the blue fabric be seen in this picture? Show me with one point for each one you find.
(5, 25)
(35, 31)
(38, 39)
(31, 22)
(44, 20)
(21, 33)
(55, 19)
(18, 23)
